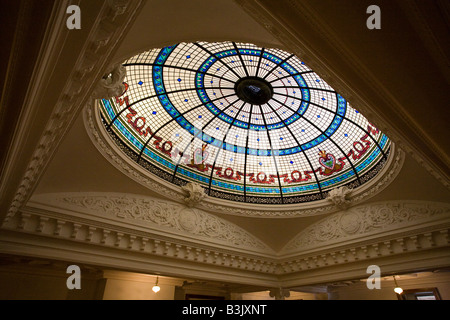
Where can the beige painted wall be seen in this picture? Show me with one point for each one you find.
(135, 286)
(136, 290)
(44, 283)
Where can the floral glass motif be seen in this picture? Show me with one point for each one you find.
(248, 124)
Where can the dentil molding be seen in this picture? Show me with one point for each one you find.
(163, 217)
(138, 227)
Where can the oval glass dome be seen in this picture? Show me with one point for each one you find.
(248, 124)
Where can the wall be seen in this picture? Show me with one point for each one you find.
(45, 282)
(135, 286)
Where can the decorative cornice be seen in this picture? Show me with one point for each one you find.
(163, 217)
(101, 237)
(121, 161)
(235, 249)
(366, 220)
(412, 231)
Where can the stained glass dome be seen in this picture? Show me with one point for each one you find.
(249, 124)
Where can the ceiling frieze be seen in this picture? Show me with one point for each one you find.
(155, 215)
(368, 220)
(178, 236)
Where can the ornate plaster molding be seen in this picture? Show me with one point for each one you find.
(340, 197)
(129, 243)
(366, 220)
(111, 84)
(164, 217)
(107, 30)
(103, 142)
(195, 194)
(420, 236)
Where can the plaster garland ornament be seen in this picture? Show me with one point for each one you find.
(340, 197)
(195, 193)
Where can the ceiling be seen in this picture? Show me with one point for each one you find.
(398, 77)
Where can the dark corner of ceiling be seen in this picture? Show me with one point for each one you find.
(23, 28)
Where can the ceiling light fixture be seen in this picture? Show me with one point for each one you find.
(156, 288)
(397, 289)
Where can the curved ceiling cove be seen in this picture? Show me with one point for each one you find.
(249, 124)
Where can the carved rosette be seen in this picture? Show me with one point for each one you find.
(350, 222)
(189, 220)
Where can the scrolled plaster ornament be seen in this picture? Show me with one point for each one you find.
(339, 197)
(195, 193)
(119, 7)
(111, 84)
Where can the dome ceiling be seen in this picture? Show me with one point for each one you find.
(249, 124)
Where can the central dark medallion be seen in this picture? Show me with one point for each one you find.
(253, 90)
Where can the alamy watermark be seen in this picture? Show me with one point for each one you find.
(74, 280)
(74, 20)
(373, 281)
(374, 20)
